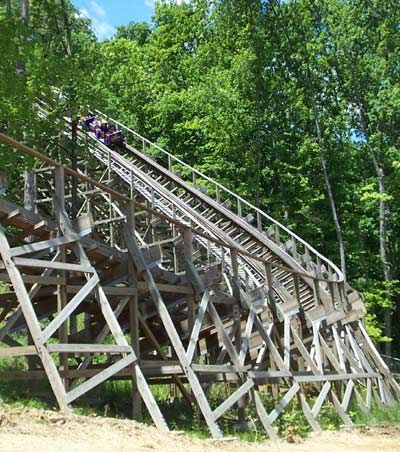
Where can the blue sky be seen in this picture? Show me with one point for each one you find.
(108, 14)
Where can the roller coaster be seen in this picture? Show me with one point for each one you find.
(137, 266)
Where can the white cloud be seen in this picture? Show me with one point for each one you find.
(151, 3)
(83, 12)
(98, 10)
(102, 28)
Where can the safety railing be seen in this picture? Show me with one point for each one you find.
(305, 255)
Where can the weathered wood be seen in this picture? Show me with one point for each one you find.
(88, 348)
(38, 246)
(232, 399)
(70, 308)
(33, 324)
(320, 399)
(100, 377)
(18, 351)
(196, 329)
(283, 403)
(172, 333)
(25, 262)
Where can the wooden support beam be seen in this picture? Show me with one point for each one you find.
(198, 392)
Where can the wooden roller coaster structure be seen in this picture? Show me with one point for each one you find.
(125, 270)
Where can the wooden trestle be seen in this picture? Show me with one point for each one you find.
(167, 285)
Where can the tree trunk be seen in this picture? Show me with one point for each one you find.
(25, 18)
(74, 134)
(383, 211)
(331, 199)
(25, 12)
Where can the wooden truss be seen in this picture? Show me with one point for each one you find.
(199, 309)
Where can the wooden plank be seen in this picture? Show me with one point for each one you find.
(88, 348)
(197, 326)
(347, 395)
(271, 346)
(18, 312)
(320, 399)
(360, 401)
(221, 368)
(114, 291)
(33, 324)
(286, 342)
(308, 413)
(246, 335)
(109, 316)
(149, 400)
(37, 279)
(18, 351)
(304, 353)
(25, 262)
(368, 396)
(344, 416)
(378, 360)
(318, 355)
(283, 403)
(38, 246)
(262, 414)
(142, 286)
(169, 326)
(232, 399)
(104, 332)
(70, 308)
(147, 331)
(357, 351)
(332, 377)
(331, 357)
(223, 334)
(194, 277)
(100, 377)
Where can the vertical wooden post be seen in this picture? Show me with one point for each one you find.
(237, 326)
(268, 274)
(134, 319)
(62, 299)
(188, 254)
(259, 222)
(30, 191)
(30, 204)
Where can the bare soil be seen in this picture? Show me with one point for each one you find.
(29, 429)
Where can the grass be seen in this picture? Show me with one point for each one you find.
(116, 395)
(377, 415)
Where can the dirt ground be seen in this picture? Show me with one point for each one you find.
(28, 429)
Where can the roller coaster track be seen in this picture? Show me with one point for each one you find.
(150, 172)
(255, 305)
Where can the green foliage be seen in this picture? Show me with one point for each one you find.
(377, 415)
(233, 89)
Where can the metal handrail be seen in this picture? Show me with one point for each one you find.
(241, 201)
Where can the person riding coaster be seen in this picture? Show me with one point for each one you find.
(102, 130)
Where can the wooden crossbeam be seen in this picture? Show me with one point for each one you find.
(100, 377)
(25, 262)
(283, 403)
(70, 307)
(39, 246)
(169, 326)
(320, 399)
(197, 325)
(33, 324)
(232, 399)
(88, 348)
